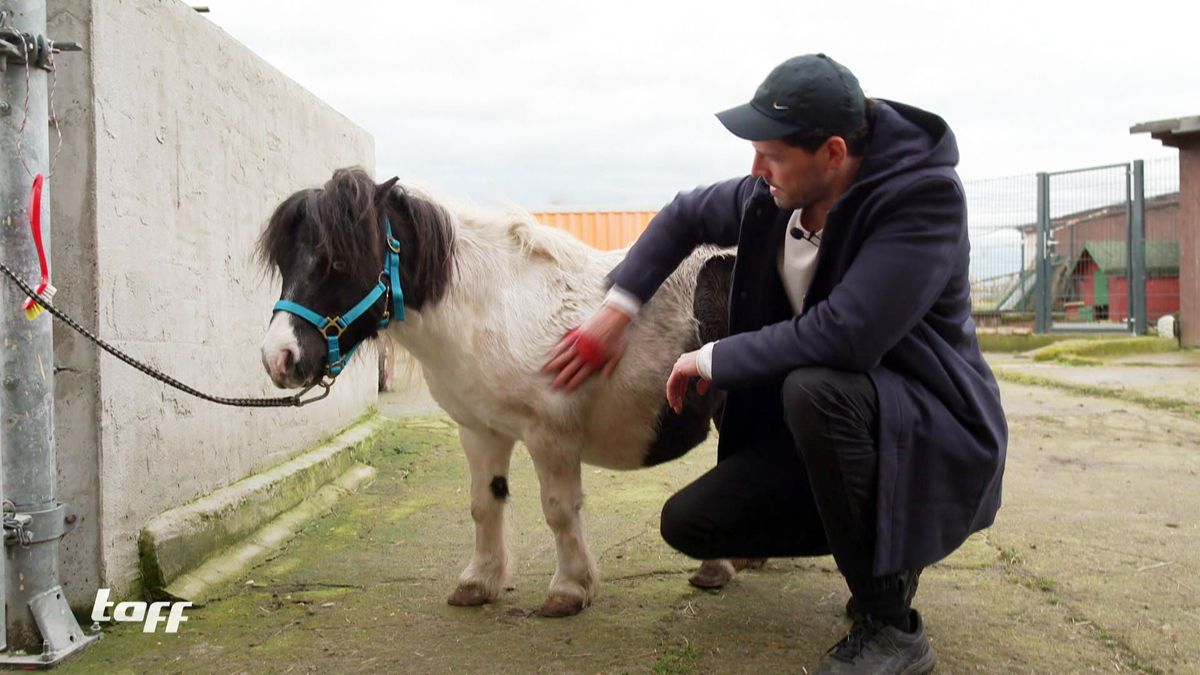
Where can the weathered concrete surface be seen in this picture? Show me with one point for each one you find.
(1170, 376)
(1091, 567)
(178, 144)
(211, 577)
(1100, 510)
(175, 543)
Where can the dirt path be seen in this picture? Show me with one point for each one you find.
(1091, 567)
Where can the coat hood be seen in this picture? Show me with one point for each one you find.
(905, 138)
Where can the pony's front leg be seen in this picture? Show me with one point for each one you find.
(488, 455)
(557, 461)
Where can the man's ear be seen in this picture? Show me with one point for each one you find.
(836, 147)
(385, 188)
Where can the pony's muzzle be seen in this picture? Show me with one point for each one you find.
(281, 353)
(285, 361)
(280, 364)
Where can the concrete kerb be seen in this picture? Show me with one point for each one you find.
(190, 552)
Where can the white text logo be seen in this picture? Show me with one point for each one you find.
(149, 613)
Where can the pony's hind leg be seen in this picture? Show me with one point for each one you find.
(488, 455)
(557, 462)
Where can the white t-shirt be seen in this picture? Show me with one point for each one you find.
(798, 260)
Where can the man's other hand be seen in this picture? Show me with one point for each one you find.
(677, 384)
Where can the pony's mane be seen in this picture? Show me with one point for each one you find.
(341, 222)
(336, 217)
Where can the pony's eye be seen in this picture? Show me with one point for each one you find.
(339, 266)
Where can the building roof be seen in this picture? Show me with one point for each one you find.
(1171, 131)
(1111, 256)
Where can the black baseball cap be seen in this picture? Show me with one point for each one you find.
(804, 93)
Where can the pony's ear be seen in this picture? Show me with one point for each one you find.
(385, 188)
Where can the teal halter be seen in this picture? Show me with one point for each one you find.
(332, 328)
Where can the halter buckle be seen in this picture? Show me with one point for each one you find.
(333, 323)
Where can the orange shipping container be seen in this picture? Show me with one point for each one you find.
(605, 230)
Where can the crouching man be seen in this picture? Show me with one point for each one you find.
(861, 418)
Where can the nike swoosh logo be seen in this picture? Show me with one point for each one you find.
(780, 107)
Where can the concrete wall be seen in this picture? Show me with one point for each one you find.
(178, 143)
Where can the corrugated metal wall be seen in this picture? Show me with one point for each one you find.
(605, 230)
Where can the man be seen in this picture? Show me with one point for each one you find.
(861, 418)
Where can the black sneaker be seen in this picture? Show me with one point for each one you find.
(879, 649)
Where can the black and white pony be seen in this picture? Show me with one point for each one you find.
(486, 295)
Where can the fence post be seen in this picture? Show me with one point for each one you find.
(1137, 249)
(40, 628)
(1043, 294)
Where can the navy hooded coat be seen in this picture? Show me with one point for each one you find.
(890, 297)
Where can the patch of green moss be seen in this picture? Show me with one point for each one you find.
(1136, 664)
(675, 661)
(1097, 350)
(1128, 395)
(1016, 342)
(1009, 556)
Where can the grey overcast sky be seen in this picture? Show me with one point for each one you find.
(608, 104)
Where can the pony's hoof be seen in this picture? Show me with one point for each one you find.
(468, 595)
(740, 564)
(713, 574)
(557, 606)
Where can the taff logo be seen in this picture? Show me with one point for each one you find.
(150, 613)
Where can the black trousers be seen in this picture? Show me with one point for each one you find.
(808, 493)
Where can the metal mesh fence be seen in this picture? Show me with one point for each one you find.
(1002, 226)
(1089, 261)
(1089, 231)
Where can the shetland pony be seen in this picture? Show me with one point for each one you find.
(486, 295)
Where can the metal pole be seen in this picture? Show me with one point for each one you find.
(1137, 249)
(1042, 308)
(1023, 263)
(26, 388)
(39, 625)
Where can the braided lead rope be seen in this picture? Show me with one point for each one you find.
(280, 402)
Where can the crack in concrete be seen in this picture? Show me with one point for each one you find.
(409, 580)
(300, 587)
(624, 541)
(648, 575)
